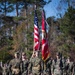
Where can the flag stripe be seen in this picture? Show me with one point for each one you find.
(36, 32)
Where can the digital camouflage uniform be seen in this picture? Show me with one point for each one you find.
(74, 68)
(35, 65)
(42, 66)
(15, 66)
(48, 66)
(0, 70)
(25, 67)
(69, 70)
(30, 65)
(64, 65)
(5, 70)
(56, 68)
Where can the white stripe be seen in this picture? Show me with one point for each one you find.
(35, 26)
(36, 43)
(36, 31)
(42, 35)
(35, 36)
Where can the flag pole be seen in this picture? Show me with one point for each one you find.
(45, 48)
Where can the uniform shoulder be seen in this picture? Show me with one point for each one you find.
(38, 59)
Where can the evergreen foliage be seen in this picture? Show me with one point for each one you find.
(16, 32)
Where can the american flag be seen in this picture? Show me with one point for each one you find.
(45, 49)
(36, 33)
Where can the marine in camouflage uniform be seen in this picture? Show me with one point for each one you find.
(24, 64)
(14, 65)
(56, 68)
(35, 64)
(5, 69)
(74, 68)
(69, 66)
(48, 66)
(1, 70)
(64, 65)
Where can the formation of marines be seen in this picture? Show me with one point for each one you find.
(36, 66)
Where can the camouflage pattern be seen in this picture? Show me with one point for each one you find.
(56, 68)
(24, 68)
(74, 68)
(69, 67)
(14, 66)
(35, 65)
(25, 63)
(30, 65)
(48, 66)
(0, 70)
(5, 69)
(64, 65)
(43, 68)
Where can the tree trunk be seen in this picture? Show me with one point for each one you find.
(17, 9)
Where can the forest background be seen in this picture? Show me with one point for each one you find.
(16, 32)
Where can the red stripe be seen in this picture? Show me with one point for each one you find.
(36, 40)
(36, 29)
(36, 35)
(36, 46)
